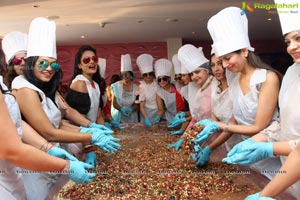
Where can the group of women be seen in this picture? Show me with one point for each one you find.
(234, 95)
(239, 106)
(268, 129)
(49, 139)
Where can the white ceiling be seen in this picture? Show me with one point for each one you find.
(130, 20)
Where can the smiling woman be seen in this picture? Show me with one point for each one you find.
(124, 109)
(43, 107)
(87, 86)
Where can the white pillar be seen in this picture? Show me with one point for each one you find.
(173, 45)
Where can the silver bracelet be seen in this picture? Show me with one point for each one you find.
(226, 128)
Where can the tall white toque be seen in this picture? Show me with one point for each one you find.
(102, 66)
(176, 64)
(163, 67)
(183, 70)
(289, 17)
(145, 63)
(13, 43)
(229, 31)
(126, 63)
(42, 38)
(191, 57)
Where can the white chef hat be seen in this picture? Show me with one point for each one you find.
(212, 52)
(102, 66)
(145, 63)
(126, 63)
(191, 57)
(229, 31)
(13, 43)
(176, 64)
(184, 70)
(163, 67)
(289, 17)
(42, 38)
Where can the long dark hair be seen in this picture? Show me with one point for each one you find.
(3, 71)
(49, 88)
(114, 78)
(255, 61)
(219, 82)
(10, 74)
(96, 77)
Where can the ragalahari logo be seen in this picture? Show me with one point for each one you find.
(246, 8)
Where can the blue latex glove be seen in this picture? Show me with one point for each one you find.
(206, 132)
(252, 153)
(126, 111)
(156, 119)
(78, 173)
(197, 150)
(176, 145)
(257, 197)
(105, 142)
(236, 149)
(178, 132)
(204, 122)
(176, 122)
(61, 153)
(108, 125)
(115, 124)
(86, 130)
(101, 127)
(107, 131)
(91, 158)
(148, 122)
(101, 139)
(178, 116)
(241, 145)
(129, 110)
(203, 156)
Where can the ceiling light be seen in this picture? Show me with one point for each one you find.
(53, 17)
(172, 20)
(269, 19)
(102, 24)
(82, 36)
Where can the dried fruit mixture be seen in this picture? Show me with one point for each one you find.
(145, 169)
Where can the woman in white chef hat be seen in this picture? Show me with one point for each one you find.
(124, 109)
(14, 46)
(22, 146)
(282, 139)
(221, 111)
(253, 85)
(147, 89)
(43, 107)
(177, 72)
(199, 91)
(184, 116)
(106, 98)
(169, 100)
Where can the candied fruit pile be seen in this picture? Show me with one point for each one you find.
(144, 168)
